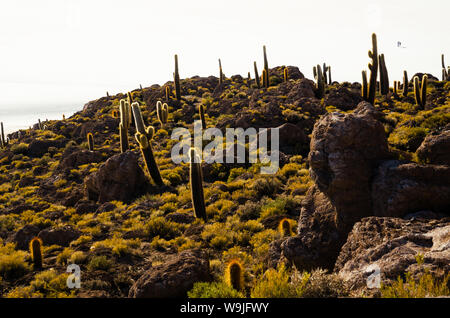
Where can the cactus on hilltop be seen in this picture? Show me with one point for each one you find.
(373, 67)
(176, 79)
(257, 81)
(196, 183)
(384, 78)
(405, 84)
(201, 110)
(124, 125)
(220, 73)
(364, 86)
(285, 74)
(420, 91)
(320, 81)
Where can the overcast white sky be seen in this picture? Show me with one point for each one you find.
(59, 52)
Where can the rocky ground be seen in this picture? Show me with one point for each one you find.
(360, 185)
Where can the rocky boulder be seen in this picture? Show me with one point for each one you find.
(392, 245)
(435, 149)
(24, 235)
(61, 236)
(78, 158)
(343, 98)
(402, 188)
(119, 178)
(37, 148)
(173, 278)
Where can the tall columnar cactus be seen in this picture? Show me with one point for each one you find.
(201, 110)
(405, 84)
(144, 135)
(445, 72)
(39, 124)
(107, 94)
(196, 182)
(90, 139)
(285, 74)
(176, 79)
(384, 78)
(266, 67)
(162, 112)
(373, 67)
(64, 117)
(36, 252)
(257, 81)
(167, 93)
(320, 81)
(3, 141)
(264, 76)
(124, 125)
(396, 89)
(420, 91)
(329, 75)
(220, 73)
(285, 227)
(325, 71)
(364, 86)
(234, 275)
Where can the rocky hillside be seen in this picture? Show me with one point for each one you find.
(358, 185)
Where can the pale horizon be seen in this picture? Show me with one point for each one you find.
(69, 52)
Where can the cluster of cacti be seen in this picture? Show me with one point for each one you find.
(265, 74)
(162, 111)
(445, 70)
(90, 139)
(144, 135)
(201, 111)
(176, 80)
(320, 81)
(196, 182)
(234, 275)
(384, 79)
(36, 252)
(257, 81)
(124, 124)
(420, 90)
(285, 228)
(369, 89)
(220, 73)
(2, 137)
(285, 74)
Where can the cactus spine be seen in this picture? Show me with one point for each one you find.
(90, 139)
(384, 78)
(162, 112)
(201, 110)
(257, 81)
(285, 74)
(196, 182)
(420, 92)
(285, 227)
(373, 67)
(176, 79)
(234, 275)
(144, 135)
(220, 73)
(405, 84)
(36, 252)
(320, 81)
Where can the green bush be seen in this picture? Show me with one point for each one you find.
(163, 228)
(213, 290)
(100, 262)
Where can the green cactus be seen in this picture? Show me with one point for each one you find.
(144, 135)
(39, 124)
(176, 79)
(264, 77)
(162, 112)
(201, 110)
(196, 182)
(234, 275)
(3, 141)
(420, 91)
(266, 68)
(220, 73)
(373, 67)
(396, 89)
(329, 75)
(285, 227)
(36, 252)
(124, 125)
(364, 86)
(384, 78)
(405, 84)
(257, 81)
(445, 73)
(285, 74)
(320, 82)
(90, 139)
(167, 93)
(325, 71)
(107, 94)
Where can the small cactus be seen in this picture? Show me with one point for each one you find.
(124, 125)
(90, 139)
(257, 81)
(234, 275)
(36, 252)
(201, 110)
(220, 73)
(445, 72)
(329, 75)
(325, 71)
(364, 86)
(162, 112)
(384, 79)
(176, 79)
(144, 135)
(266, 68)
(64, 117)
(373, 67)
(196, 182)
(405, 84)
(420, 91)
(396, 89)
(167, 93)
(264, 76)
(285, 227)
(3, 141)
(285, 74)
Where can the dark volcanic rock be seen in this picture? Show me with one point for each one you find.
(402, 188)
(23, 236)
(78, 158)
(343, 98)
(392, 244)
(435, 149)
(37, 148)
(173, 278)
(61, 236)
(119, 178)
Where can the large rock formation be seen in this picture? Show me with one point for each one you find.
(435, 148)
(173, 278)
(119, 178)
(393, 245)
